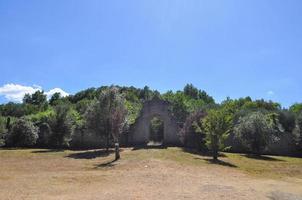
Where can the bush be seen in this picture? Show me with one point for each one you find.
(255, 131)
(23, 134)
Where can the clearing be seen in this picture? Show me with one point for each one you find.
(170, 173)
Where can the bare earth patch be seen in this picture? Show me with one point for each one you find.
(142, 174)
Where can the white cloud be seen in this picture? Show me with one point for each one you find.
(55, 90)
(270, 93)
(16, 92)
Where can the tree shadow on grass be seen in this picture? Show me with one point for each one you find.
(139, 147)
(261, 157)
(90, 154)
(201, 153)
(218, 162)
(48, 151)
(107, 164)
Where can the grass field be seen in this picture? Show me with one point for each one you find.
(170, 173)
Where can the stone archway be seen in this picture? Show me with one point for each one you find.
(155, 108)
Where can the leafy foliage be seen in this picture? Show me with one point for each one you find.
(217, 126)
(61, 124)
(23, 133)
(255, 131)
(110, 111)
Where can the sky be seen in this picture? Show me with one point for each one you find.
(229, 48)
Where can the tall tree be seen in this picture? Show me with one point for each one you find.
(61, 126)
(55, 98)
(191, 91)
(106, 116)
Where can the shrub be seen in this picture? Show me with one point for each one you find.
(255, 131)
(23, 134)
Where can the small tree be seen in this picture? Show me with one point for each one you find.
(217, 125)
(23, 133)
(255, 130)
(117, 118)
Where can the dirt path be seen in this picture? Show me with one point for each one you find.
(58, 177)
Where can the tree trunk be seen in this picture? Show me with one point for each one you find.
(215, 154)
(117, 151)
(107, 143)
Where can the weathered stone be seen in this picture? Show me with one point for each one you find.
(160, 109)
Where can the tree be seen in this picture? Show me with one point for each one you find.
(38, 98)
(296, 108)
(255, 131)
(23, 133)
(299, 128)
(44, 134)
(61, 126)
(55, 98)
(287, 120)
(106, 116)
(217, 125)
(3, 130)
(191, 91)
(117, 118)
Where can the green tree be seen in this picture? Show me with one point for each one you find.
(38, 98)
(23, 133)
(3, 130)
(106, 115)
(217, 126)
(299, 128)
(44, 135)
(191, 91)
(296, 108)
(61, 124)
(255, 130)
(55, 98)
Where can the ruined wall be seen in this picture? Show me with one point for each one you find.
(155, 108)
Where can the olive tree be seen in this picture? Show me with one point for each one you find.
(107, 116)
(23, 133)
(255, 130)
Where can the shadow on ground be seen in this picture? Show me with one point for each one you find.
(261, 157)
(200, 153)
(48, 151)
(90, 154)
(107, 164)
(149, 147)
(218, 162)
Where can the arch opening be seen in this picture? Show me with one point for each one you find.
(156, 131)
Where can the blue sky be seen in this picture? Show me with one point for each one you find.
(228, 48)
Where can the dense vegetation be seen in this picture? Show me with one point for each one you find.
(110, 112)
